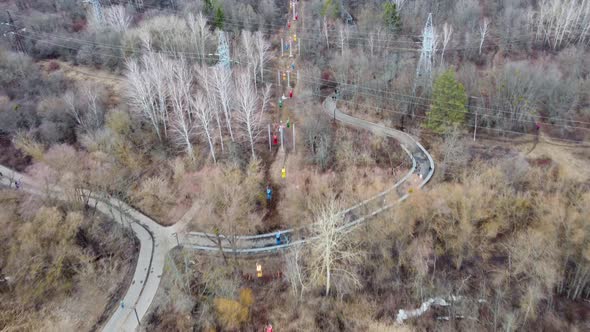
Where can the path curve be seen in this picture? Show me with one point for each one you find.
(422, 167)
(155, 243)
(156, 240)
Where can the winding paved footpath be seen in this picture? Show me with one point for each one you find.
(156, 240)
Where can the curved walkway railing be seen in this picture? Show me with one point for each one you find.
(266, 243)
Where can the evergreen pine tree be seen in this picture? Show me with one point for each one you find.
(330, 8)
(209, 7)
(219, 18)
(391, 16)
(449, 103)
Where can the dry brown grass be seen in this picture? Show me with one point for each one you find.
(572, 161)
(62, 266)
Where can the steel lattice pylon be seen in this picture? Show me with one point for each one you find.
(223, 51)
(424, 69)
(97, 8)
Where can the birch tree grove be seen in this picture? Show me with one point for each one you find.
(139, 94)
(249, 51)
(147, 89)
(200, 32)
(222, 82)
(204, 75)
(562, 22)
(157, 69)
(204, 113)
(262, 50)
(161, 90)
(182, 124)
(333, 254)
(248, 114)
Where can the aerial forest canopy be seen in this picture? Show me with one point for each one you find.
(294, 165)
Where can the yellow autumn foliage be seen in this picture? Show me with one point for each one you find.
(231, 313)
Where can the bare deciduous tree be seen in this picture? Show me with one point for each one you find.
(248, 114)
(483, 31)
(204, 114)
(95, 110)
(70, 101)
(517, 87)
(399, 3)
(333, 253)
(182, 124)
(343, 34)
(371, 42)
(447, 33)
(249, 52)
(116, 17)
(204, 73)
(294, 271)
(146, 84)
(262, 50)
(221, 78)
(200, 32)
(325, 26)
(157, 70)
(85, 106)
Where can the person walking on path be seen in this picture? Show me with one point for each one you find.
(268, 193)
